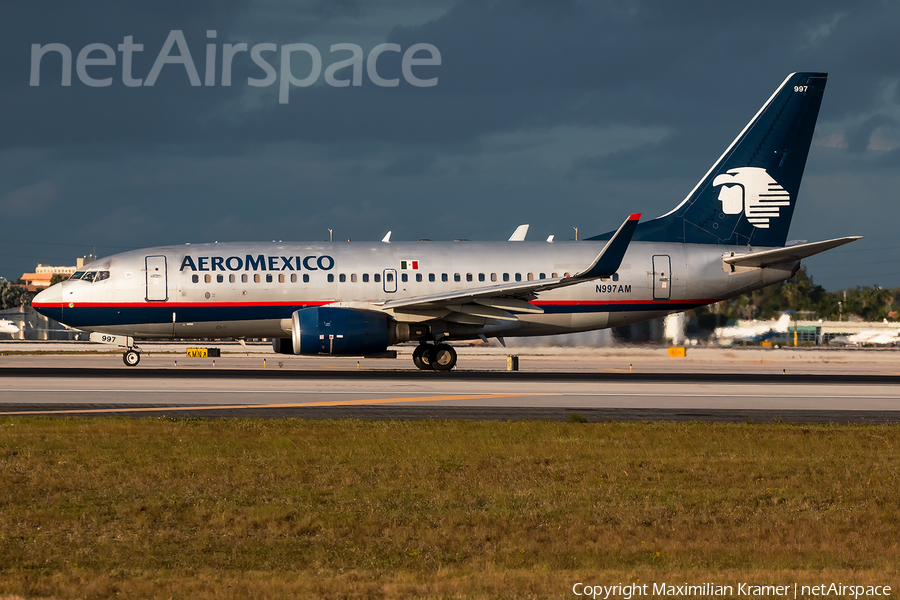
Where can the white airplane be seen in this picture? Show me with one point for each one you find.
(726, 238)
(7, 326)
(869, 337)
(753, 333)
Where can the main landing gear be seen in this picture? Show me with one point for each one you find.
(428, 357)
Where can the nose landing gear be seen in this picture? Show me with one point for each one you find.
(131, 357)
(440, 357)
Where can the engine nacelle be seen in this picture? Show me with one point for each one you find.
(341, 331)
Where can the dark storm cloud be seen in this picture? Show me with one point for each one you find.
(558, 113)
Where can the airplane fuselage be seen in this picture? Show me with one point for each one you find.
(252, 289)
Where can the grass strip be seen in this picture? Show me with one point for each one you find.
(245, 508)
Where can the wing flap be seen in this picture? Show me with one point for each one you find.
(765, 258)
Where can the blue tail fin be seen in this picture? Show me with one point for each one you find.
(748, 196)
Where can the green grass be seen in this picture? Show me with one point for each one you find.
(283, 508)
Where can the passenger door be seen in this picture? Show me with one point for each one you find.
(157, 281)
(662, 277)
(390, 280)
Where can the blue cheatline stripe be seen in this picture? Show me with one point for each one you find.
(98, 316)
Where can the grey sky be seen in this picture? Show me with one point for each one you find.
(558, 114)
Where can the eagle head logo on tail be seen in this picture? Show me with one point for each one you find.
(753, 191)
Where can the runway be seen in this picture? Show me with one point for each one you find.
(338, 388)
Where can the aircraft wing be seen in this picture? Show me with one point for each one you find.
(495, 300)
(765, 258)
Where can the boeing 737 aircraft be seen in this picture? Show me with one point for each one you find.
(726, 238)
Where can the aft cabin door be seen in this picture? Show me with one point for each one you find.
(157, 283)
(390, 280)
(662, 277)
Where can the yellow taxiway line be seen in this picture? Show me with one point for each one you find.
(288, 405)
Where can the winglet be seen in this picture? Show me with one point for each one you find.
(609, 259)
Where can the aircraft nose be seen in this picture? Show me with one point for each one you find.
(49, 300)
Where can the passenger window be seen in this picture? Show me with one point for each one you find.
(506, 277)
(331, 278)
(531, 277)
(268, 278)
(419, 277)
(376, 278)
(615, 276)
(195, 279)
(244, 278)
(457, 277)
(565, 274)
(231, 278)
(543, 276)
(305, 278)
(365, 278)
(353, 278)
(493, 277)
(604, 279)
(518, 277)
(220, 279)
(431, 277)
(207, 278)
(404, 277)
(293, 278)
(554, 275)
(342, 278)
(444, 277)
(481, 277)
(256, 278)
(469, 277)
(389, 277)
(281, 278)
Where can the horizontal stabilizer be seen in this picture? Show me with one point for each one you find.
(765, 258)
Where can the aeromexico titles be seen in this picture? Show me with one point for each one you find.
(726, 238)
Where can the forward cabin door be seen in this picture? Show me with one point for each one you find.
(157, 281)
(662, 277)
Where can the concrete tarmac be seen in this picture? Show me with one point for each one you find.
(795, 385)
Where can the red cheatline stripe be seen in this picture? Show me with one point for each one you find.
(617, 302)
(307, 303)
(175, 304)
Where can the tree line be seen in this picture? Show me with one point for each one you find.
(798, 294)
(807, 301)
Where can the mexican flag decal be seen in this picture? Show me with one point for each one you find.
(409, 264)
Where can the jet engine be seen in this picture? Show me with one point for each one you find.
(343, 332)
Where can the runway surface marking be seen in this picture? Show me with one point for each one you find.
(289, 405)
(438, 398)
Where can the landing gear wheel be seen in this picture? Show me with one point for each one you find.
(131, 358)
(421, 357)
(443, 357)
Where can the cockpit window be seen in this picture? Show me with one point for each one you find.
(101, 275)
(77, 275)
(89, 276)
